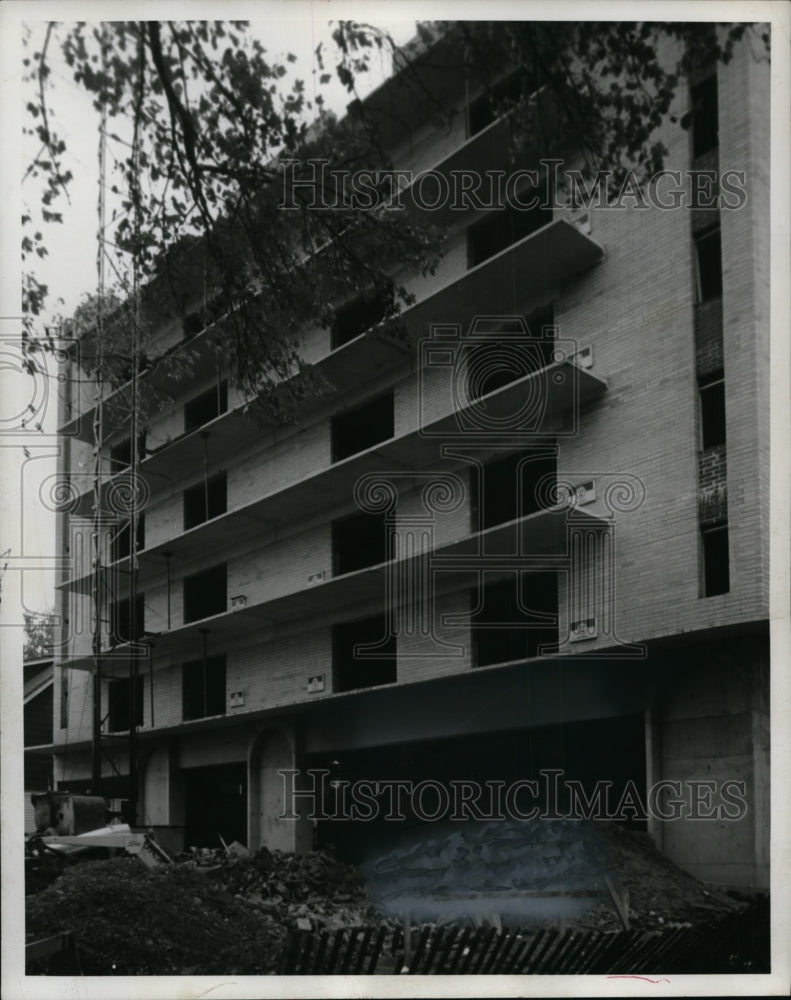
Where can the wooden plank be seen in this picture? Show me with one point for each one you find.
(533, 945)
(318, 956)
(346, 961)
(337, 941)
(495, 960)
(452, 936)
(417, 958)
(364, 939)
(290, 952)
(488, 940)
(48, 946)
(436, 940)
(551, 959)
(376, 951)
(472, 944)
(457, 961)
(537, 958)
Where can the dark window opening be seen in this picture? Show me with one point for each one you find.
(205, 500)
(119, 704)
(121, 453)
(120, 544)
(120, 620)
(203, 687)
(705, 131)
(359, 315)
(497, 100)
(206, 593)
(363, 427)
(502, 631)
(504, 227)
(708, 253)
(503, 356)
(716, 561)
(504, 491)
(358, 541)
(199, 319)
(712, 411)
(37, 719)
(206, 406)
(362, 670)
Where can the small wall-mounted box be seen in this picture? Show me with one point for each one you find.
(316, 577)
(583, 223)
(585, 493)
(236, 698)
(240, 601)
(315, 683)
(585, 628)
(583, 358)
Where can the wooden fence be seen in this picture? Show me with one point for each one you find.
(738, 943)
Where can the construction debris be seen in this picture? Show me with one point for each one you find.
(227, 911)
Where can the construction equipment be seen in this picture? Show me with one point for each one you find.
(71, 824)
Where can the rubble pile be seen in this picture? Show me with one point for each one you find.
(313, 891)
(539, 874)
(657, 892)
(229, 912)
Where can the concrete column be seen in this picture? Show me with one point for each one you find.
(274, 821)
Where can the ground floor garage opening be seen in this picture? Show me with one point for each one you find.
(215, 805)
(568, 765)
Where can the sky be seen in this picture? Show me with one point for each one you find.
(70, 268)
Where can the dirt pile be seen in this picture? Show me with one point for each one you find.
(658, 893)
(218, 912)
(211, 914)
(313, 887)
(539, 874)
(130, 920)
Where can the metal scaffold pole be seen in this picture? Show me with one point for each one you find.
(97, 528)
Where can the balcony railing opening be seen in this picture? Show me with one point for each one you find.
(498, 99)
(363, 669)
(511, 487)
(119, 703)
(712, 409)
(512, 622)
(203, 687)
(504, 227)
(120, 546)
(705, 133)
(359, 315)
(121, 453)
(206, 406)
(205, 500)
(120, 620)
(358, 541)
(206, 593)
(708, 260)
(716, 559)
(500, 354)
(363, 427)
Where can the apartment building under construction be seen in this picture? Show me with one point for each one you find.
(528, 542)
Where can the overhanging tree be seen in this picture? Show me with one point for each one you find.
(199, 121)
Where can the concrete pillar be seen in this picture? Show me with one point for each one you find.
(714, 728)
(272, 752)
(162, 795)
